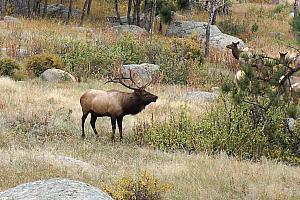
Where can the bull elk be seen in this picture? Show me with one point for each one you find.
(115, 104)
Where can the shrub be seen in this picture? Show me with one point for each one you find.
(37, 64)
(145, 187)
(179, 59)
(165, 14)
(295, 23)
(8, 67)
(128, 51)
(182, 4)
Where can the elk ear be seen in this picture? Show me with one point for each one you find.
(236, 43)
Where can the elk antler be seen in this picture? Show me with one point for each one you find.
(119, 79)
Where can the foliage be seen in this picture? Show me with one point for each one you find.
(182, 4)
(128, 50)
(8, 67)
(165, 14)
(225, 128)
(295, 23)
(239, 28)
(145, 187)
(249, 122)
(37, 64)
(179, 59)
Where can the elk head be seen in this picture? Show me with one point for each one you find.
(234, 49)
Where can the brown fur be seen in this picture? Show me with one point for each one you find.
(114, 104)
(234, 49)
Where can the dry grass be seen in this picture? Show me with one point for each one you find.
(38, 129)
(40, 123)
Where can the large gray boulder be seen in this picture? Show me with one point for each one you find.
(59, 10)
(186, 29)
(144, 71)
(132, 29)
(58, 189)
(56, 75)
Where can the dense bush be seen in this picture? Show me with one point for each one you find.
(295, 23)
(37, 64)
(8, 67)
(145, 187)
(182, 4)
(128, 50)
(239, 28)
(227, 128)
(250, 121)
(179, 59)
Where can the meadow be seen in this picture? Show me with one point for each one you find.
(40, 122)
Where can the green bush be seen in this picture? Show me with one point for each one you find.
(128, 51)
(145, 187)
(232, 27)
(226, 128)
(165, 14)
(37, 64)
(295, 23)
(179, 59)
(182, 4)
(86, 59)
(8, 67)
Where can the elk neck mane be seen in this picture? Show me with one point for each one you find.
(132, 104)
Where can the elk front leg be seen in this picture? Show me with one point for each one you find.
(113, 126)
(120, 120)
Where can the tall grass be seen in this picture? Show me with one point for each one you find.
(40, 125)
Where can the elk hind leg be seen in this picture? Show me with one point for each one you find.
(84, 116)
(93, 122)
(120, 120)
(113, 126)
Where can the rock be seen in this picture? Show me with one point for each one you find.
(59, 189)
(9, 52)
(144, 71)
(187, 29)
(59, 10)
(10, 19)
(215, 90)
(200, 96)
(133, 29)
(290, 122)
(124, 20)
(56, 75)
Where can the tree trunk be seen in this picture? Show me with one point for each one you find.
(129, 11)
(152, 20)
(89, 7)
(134, 18)
(3, 8)
(117, 11)
(28, 8)
(69, 11)
(45, 8)
(145, 11)
(214, 18)
(138, 9)
(213, 8)
(296, 8)
(83, 12)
